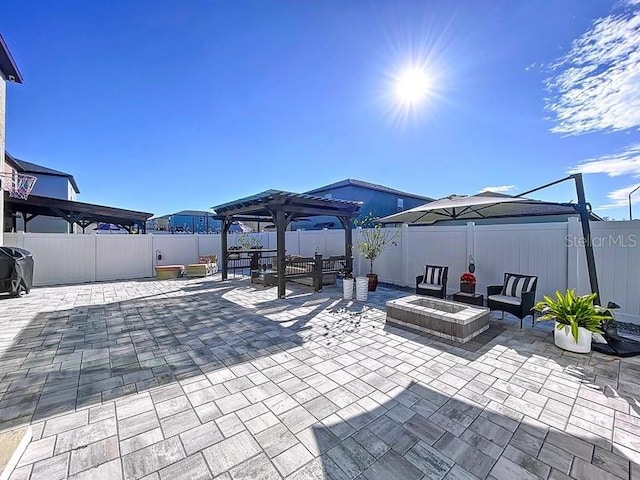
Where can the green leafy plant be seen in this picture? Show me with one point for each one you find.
(374, 239)
(573, 311)
(249, 242)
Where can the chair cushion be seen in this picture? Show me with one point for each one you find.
(433, 275)
(429, 286)
(516, 285)
(506, 299)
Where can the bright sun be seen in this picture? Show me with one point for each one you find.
(412, 86)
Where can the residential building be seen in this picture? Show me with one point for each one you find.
(185, 221)
(50, 183)
(377, 200)
(8, 73)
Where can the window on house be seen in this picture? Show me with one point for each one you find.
(401, 204)
(328, 195)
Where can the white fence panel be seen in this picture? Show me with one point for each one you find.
(446, 246)
(530, 249)
(175, 249)
(616, 248)
(209, 245)
(123, 256)
(58, 258)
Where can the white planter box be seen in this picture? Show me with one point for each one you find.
(565, 340)
(347, 288)
(362, 288)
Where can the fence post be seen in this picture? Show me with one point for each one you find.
(404, 251)
(471, 242)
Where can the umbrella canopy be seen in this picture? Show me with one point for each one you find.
(478, 207)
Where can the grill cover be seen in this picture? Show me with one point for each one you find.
(16, 270)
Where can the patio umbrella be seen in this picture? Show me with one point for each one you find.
(492, 205)
(477, 207)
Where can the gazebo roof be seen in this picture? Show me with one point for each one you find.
(296, 204)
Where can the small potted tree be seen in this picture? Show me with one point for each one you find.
(576, 318)
(374, 239)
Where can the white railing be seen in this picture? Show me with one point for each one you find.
(552, 251)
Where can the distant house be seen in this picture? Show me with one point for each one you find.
(377, 200)
(50, 183)
(185, 221)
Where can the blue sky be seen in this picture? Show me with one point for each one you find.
(168, 105)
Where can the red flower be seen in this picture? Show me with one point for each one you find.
(468, 278)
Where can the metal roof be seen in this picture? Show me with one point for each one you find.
(298, 204)
(8, 65)
(57, 207)
(370, 186)
(28, 167)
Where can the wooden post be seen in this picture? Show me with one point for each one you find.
(348, 242)
(226, 222)
(281, 228)
(317, 272)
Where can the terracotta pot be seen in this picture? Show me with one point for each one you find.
(373, 282)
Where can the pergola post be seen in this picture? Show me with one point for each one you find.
(348, 242)
(281, 229)
(226, 223)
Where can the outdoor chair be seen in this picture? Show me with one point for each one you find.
(516, 296)
(433, 282)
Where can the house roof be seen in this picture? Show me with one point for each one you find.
(371, 186)
(8, 65)
(28, 167)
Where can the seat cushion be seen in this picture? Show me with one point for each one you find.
(429, 286)
(516, 285)
(505, 299)
(433, 275)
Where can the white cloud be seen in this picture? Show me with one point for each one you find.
(620, 197)
(626, 162)
(499, 188)
(596, 85)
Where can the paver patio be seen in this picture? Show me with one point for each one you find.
(207, 379)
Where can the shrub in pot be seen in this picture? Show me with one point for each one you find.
(576, 318)
(374, 239)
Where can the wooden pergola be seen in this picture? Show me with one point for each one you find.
(280, 208)
(80, 213)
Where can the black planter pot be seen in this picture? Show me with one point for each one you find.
(467, 287)
(373, 282)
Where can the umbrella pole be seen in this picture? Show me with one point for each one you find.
(586, 233)
(583, 210)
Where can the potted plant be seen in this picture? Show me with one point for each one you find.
(468, 283)
(576, 318)
(374, 239)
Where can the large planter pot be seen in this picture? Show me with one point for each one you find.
(347, 288)
(362, 288)
(467, 287)
(373, 282)
(565, 340)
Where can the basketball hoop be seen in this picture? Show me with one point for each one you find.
(18, 185)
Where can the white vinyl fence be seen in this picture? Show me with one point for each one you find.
(552, 251)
